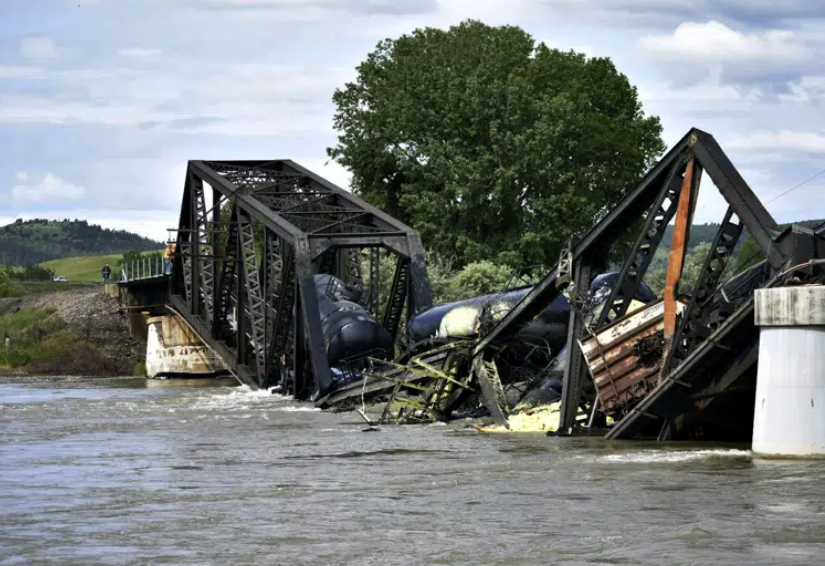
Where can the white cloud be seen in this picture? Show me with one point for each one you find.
(358, 6)
(149, 80)
(134, 183)
(329, 170)
(714, 42)
(271, 3)
(805, 90)
(265, 82)
(139, 52)
(267, 100)
(138, 195)
(782, 140)
(50, 189)
(701, 93)
(38, 47)
(40, 109)
(21, 73)
(658, 13)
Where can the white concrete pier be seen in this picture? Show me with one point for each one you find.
(789, 417)
(172, 349)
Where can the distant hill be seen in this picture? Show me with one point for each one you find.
(36, 241)
(706, 232)
(698, 233)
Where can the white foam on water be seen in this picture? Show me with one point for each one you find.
(240, 398)
(298, 409)
(671, 456)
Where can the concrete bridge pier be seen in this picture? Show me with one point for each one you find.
(789, 417)
(173, 350)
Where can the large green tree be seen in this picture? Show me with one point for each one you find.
(491, 145)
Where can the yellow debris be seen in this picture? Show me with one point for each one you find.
(544, 418)
(541, 419)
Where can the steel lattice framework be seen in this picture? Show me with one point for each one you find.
(712, 345)
(244, 272)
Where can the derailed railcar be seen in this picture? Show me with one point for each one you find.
(529, 364)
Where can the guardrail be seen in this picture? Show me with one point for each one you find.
(145, 268)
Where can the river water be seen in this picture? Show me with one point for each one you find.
(126, 471)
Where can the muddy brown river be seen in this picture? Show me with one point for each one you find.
(126, 471)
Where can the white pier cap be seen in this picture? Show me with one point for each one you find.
(790, 306)
(789, 416)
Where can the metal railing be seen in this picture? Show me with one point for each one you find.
(144, 268)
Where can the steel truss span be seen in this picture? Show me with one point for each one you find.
(710, 345)
(253, 236)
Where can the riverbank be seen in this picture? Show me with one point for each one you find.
(77, 331)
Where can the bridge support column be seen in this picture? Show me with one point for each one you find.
(789, 417)
(172, 350)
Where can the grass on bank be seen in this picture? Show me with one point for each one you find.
(82, 269)
(23, 288)
(33, 334)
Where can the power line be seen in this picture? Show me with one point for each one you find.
(792, 189)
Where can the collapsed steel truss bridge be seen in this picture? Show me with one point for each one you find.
(248, 252)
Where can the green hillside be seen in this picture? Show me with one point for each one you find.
(78, 269)
(38, 241)
(706, 232)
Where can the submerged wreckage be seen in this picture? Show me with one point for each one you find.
(589, 349)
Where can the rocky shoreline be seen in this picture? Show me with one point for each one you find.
(95, 334)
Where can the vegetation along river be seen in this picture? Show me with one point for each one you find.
(126, 471)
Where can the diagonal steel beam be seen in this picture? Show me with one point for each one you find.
(254, 294)
(246, 202)
(757, 220)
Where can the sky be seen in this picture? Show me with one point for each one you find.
(102, 102)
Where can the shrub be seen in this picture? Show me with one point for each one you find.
(478, 278)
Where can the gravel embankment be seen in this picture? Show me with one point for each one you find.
(93, 315)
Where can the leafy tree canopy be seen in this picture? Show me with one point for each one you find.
(29, 272)
(478, 278)
(749, 255)
(491, 145)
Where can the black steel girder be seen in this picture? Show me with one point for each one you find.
(247, 274)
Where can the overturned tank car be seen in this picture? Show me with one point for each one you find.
(351, 334)
(438, 341)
